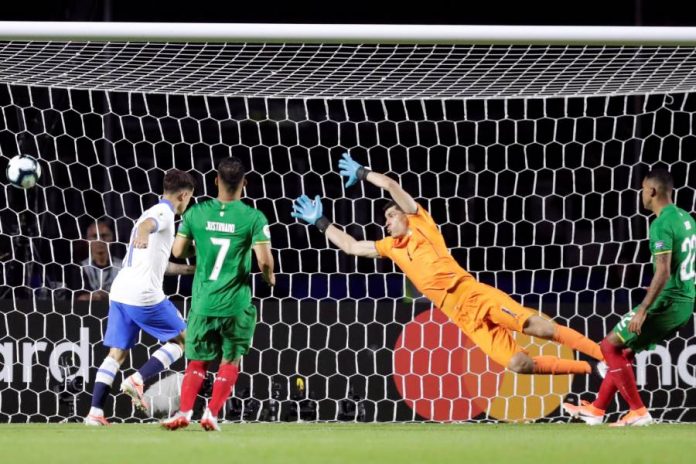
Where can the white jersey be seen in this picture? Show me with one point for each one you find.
(139, 282)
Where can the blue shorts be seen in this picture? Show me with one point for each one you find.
(162, 321)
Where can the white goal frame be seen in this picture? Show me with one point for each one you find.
(345, 33)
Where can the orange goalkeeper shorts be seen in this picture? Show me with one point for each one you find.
(488, 316)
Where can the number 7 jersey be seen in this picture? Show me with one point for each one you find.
(674, 231)
(224, 234)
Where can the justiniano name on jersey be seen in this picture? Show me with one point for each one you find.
(219, 227)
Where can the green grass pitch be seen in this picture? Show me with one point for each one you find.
(310, 443)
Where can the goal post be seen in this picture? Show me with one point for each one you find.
(526, 144)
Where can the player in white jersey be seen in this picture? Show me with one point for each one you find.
(137, 301)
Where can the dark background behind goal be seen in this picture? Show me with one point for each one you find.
(590, 12)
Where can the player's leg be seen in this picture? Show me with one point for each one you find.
(621, 369)
(664, 318)
(237, 335)
(203, 344)
(161, 359)
(167, 354)
(120, 335)
(106, 373)
(592, 413)
(225, 379)
(537, 326)
(194, 377)
(163, 322)
(509, 315)
(498, 343)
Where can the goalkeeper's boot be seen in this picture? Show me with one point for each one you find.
(634, 418)
(209, 422)
(93, 420)
(179, 420)
(585, 411)
(134, 388)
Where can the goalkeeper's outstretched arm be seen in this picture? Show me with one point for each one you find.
(311, 212)
(349, 245)
(354, 172)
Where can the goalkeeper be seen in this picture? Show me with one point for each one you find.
(485, 314)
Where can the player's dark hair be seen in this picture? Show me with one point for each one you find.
(391, 203)
(176, 181)
(231, 172)
(662, 177)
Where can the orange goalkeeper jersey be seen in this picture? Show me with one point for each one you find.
(423, 256)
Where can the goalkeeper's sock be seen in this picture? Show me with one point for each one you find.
(606, 392)
(191, 385)
(224, 381)
(621, 368)
(577, 341)
(161, 359)
(102, 383)
(553, 365)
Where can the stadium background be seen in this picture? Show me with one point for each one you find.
(592, 199)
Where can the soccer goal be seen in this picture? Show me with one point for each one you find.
(526, 144)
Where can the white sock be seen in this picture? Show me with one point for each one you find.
(107, 371)
(168, 354)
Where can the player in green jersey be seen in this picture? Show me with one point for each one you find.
(222, 318)
(667, 306)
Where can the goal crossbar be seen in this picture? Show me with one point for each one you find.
(345, 33)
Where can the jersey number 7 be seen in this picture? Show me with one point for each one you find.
(224, 244)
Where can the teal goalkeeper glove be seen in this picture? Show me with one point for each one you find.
(310, 211)
(352, 170)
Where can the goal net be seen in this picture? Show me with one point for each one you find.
(528, 156)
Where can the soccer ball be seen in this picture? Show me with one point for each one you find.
(163, 396)
(23, 171)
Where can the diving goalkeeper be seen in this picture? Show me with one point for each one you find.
(485, 314)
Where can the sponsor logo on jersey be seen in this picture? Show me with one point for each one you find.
(267, 231)
(659, 245)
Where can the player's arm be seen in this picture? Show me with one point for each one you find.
(183, 247)
(354, 172)
(349, 245)
(183, 243)
(179, 269)
(311, 212)
(658, 282)
(264, 258)
(143, 231)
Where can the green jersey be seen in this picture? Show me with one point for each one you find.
(674, 231)
(224, 234)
